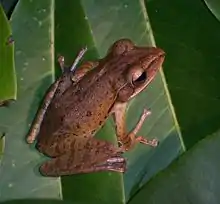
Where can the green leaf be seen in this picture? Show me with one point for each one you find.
(8, 6)
(32, 25)
(7, 71)
(193, 178)
(75, 24)
(191, 41)
(38, 201)
(2, 145)
(214, 7)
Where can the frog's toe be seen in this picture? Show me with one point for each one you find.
(47, 169)
(117, 167)
(117, 164)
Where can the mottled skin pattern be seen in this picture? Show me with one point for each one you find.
(81, 103)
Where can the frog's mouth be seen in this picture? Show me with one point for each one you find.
(154, 66)
(149, 73)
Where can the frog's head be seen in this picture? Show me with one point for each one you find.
(143, 71)
(139, 66)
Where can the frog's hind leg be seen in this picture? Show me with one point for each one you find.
(41, 111)
(92, 156)
(63, 166)
(58, 87)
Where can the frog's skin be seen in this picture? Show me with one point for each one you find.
(78, 103)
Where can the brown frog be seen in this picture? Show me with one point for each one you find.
(78, 103)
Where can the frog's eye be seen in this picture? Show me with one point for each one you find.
(137, 75)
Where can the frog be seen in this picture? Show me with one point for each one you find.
(80, 101)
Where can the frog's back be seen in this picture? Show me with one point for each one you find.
(81, 110)
(90, 105)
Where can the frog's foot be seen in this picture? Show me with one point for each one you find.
(127, 146)
(117, 164)
(79, 56)
(153, 142)
(131, 139)
(88, 155)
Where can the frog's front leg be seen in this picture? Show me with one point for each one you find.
(128, 140)
(84, 155)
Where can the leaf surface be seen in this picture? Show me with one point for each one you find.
(65, 30)
(8, 86)
(193, 178)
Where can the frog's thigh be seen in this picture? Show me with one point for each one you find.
(87, 155)
(41, 112)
